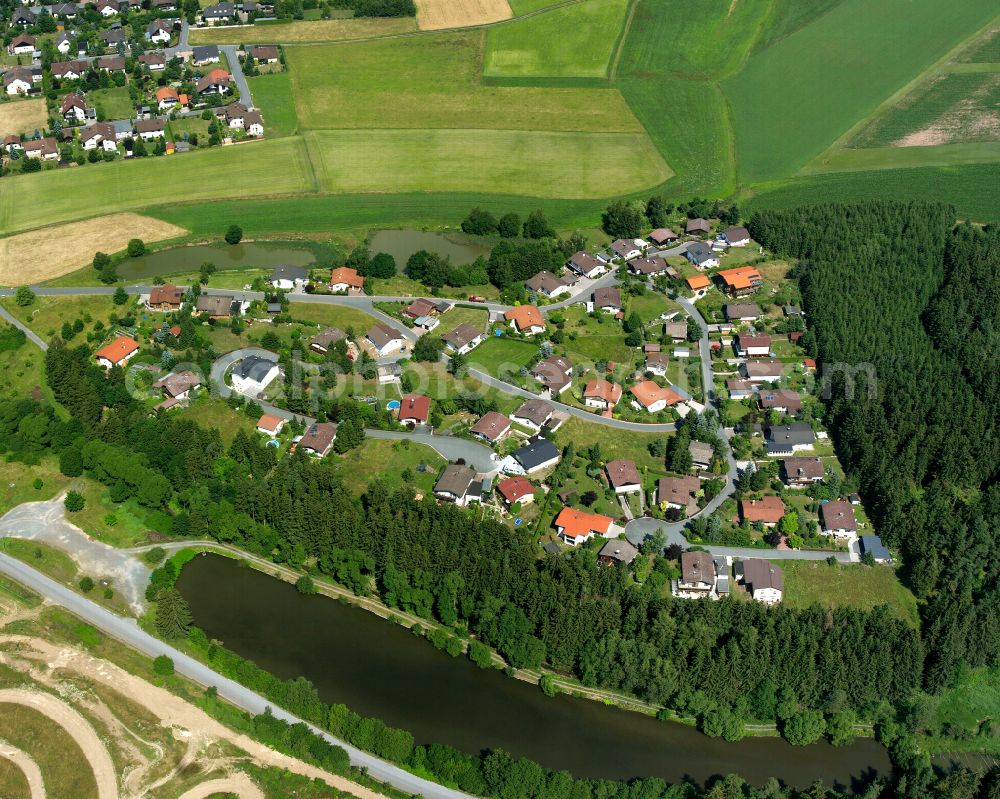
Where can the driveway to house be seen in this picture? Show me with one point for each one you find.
(33, 337)
(127, 631)
(236, 70)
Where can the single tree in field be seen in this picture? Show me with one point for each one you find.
(74, 502)
(120, 296)
(234, 234)
(173, 616)
(24, 296)
(136, 247)
(509, 226)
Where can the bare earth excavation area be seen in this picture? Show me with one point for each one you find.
(435, 15)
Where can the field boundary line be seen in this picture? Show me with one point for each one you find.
(616, 54)
(938, 66)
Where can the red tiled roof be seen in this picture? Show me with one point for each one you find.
(576, 523)
(118, 350)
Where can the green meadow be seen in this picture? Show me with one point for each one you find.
(272, 94)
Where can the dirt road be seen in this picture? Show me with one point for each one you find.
(24, 761)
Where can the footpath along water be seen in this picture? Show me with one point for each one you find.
(380, 669)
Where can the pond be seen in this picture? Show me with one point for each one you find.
(380, 669)
(177, 260)
(401, 244)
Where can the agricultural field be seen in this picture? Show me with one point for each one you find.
(433, 15)
(272, 94)
(575, 41)
(547, 164)
(985, 50)
(522, 7)
(23, 116)
(305, 31)
(269, 167)
(866, 57)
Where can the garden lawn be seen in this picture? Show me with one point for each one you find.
(545, 164)
(377, 458)
(859, 53)
(651, 305)
(614, 443)
(495, 353)
(461, 316)
(328, 315)
(853, 585)
(433, 81)
(214, 414)
(269, 167)
(183, 127)
(272, 94)
(575, 41)
(325, 30)
(595, 341)
(113, 103)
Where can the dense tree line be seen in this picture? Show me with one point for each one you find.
(896, 291)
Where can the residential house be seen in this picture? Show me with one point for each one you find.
(237, 116)
(678, 493)
(787, 439)
(253, 374)
(586, 265)
(73, 109)
(676, 331)
(270, 425)
(608, 299)
(178, 386)
(736, 236)
(516, 489)
(289, 277)
(753, 346)
(702, 255)
(702, 454)
(653, 398)
(205, 54)
(149, 129)
(265, 54)
(22, 44)
(253, 123)
(764, 581)
(872, 545)
(389, 373)
(118, 353)
(698, 284)
(99, 134)
(697, 226)
(24, 17)
(533, 414)
(323, 342)
(153, 60)
(656, 363)
(601, 394)
(108, 8)
(463, 338)
(318, 438)
(548, 285)
(215, 82)
(166, 98)
(419, 308)
(766, 510)
(69, 70)
(648, 267)
(64, 43)
(385, 340)
(123, 129)
(114, 37)
(414, 410)
(838, 519)
(791, 310)
(344, 278)
(553, 373)
(721, 576)
(780, 400)
(526, 319)
(742, 311)
(801, 472)
(491, 427)
(158, 31)
(216, 306)
(627, 249)
(218, 14)
(575, 527)
(617, 550)
(457, 484)
(758, 372)
(698, 575)
(17, 80)
(663, 235)
(537, 454)
(623, 476)
(12, 144)
(47, 149)
(741, 281)
(739, 389)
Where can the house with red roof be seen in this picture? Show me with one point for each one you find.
(576, 527)
(117, 353)
(516, 489)
(414, 409)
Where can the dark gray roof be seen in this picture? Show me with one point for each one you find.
(535, 453)
(781, 438)
(289, 272)
(699, 252)
(874, 545)
(203, 51)
(253, 367)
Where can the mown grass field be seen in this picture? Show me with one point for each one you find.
(854, 585)
(332, 316)
(272, 94)
(548, 164)
(878, 158)
(113, 103)
(504, 351)
(433, 81)
(261, 168)
(321, 30)
(575, 41)
(811, 87)
(23, 116)
(387, 460)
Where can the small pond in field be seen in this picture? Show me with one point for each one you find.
(401, 244)
(177, 260)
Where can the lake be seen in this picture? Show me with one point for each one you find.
(401, 244)
(378, 668)
(176, 260)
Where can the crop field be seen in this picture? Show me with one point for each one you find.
(984, 51)
(305, 31)
(22, 116)
(431, 82)
(876, 158)
(952, 107)
(575, 41)
(433, 15)
(272, 94)
(813, 86)
(522, 7)
(261, 168)
(547, 164)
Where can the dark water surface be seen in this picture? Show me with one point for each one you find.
(380, 669)
(247, 255)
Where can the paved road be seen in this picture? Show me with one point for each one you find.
(236, 70)
(127, 631)
(33, 337)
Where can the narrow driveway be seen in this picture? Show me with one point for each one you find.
(127, 631)
(236, 70)
(32, 336)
